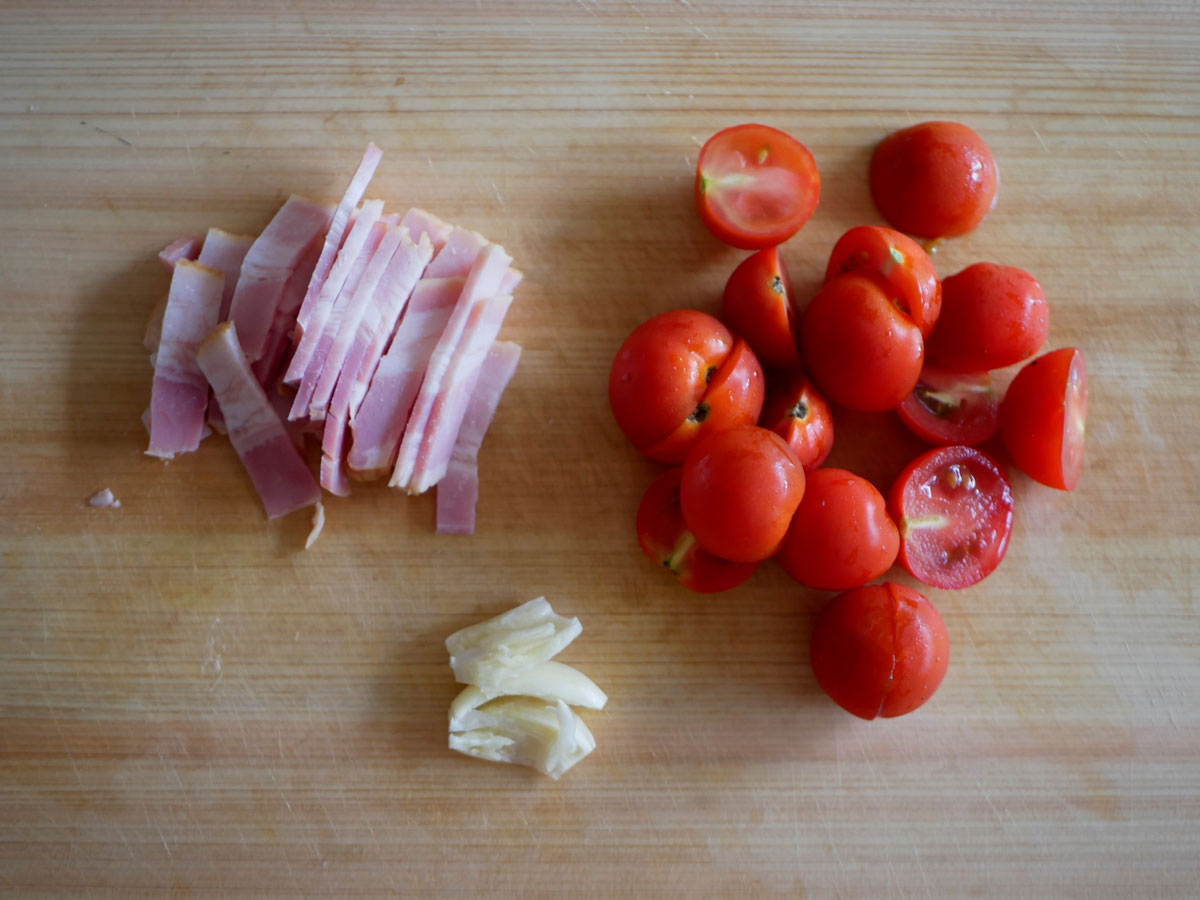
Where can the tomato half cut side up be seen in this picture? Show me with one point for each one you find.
(947, 408)
(665, 539)
(900, 261)
(879, 650)
(755, 186)
(954, 509)
(1044, 418)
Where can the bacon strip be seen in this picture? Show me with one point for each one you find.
(332, 287)
(179, 395)
(337, 231)
(482, 284)
(225, 252)
(186, 247)
(269, 265)
(269, 366)
(458, 491)
(280, 476)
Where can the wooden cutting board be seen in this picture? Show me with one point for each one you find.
(190, 705)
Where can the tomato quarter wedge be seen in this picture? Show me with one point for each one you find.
(755, 186)
(665, 539)
(954, 509)
(945, 408)
(900, 261)
(1044, 418)
(757, 305)
(880, 650)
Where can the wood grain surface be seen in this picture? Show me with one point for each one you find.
(191, 706)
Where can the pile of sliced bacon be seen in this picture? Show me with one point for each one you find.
(376, 331)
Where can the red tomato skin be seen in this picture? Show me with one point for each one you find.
(757, 306)
(661, 372)
(933, 180)
(733, 397)
(796, 411)
(972, 419)
(740, 488)
(900, 261)
(1043, 418)
(980, 521)
(840, 536)
(859, 348)
(880, 650)
(802, 186)
(665, 539)
(992, 316)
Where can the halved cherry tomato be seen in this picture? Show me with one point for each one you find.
(758, 306)
(879, 650)
(900, 261)
(945, 408)
(840, 536)
(679, 376)
(954, 508)
(936, 179)
(740, 488)
(665, 539)
(859, 348)
(755, 186)
(796, 411)
(992, 316)
(1044, 416)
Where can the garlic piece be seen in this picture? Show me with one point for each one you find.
(492, 652)
(525, 731)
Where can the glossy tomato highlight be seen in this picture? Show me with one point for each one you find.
(739, 490)
(841, 536)
(1044, 418)
(665, 539)
(679, 376)
(935, 179)
(755, 186)
(954, 509)
(880, 650)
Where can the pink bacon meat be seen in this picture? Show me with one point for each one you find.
(482, 284)
(225, 252)
(458, 491)
(179, 395)
(186, 247)
(280, 475)
(333, 237)
(314, 345)
(269, 366)
(268, 266)
(389, 298)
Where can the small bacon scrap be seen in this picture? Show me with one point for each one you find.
(104, 500)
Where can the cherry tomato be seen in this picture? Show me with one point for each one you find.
(1043, 418)
(879, 650)
(945, 408)
(666, 540)
(796, 411)
(859, 348)
(992, 316)
(936, 179)
(757, 306)
(679, 376)
(755, 186)
(954, 508)
(840, 536)
(739, 490)
(900, 261)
